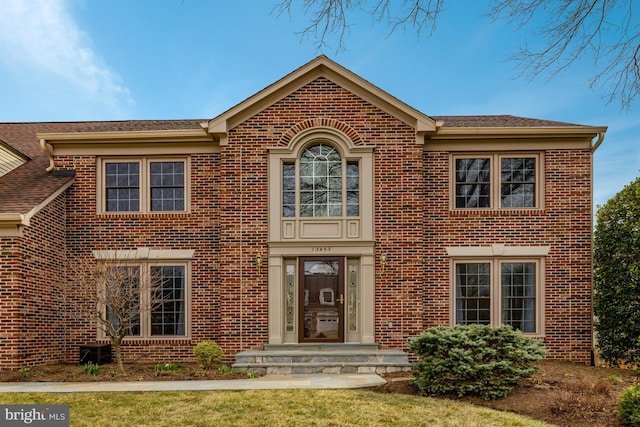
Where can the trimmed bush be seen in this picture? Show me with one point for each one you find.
(629, 406)
(473, 359)
(208, 354)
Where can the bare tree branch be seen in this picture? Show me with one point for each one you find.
(565, 32)
(604, 30)
(114, 294)
(420, 15)
(330, 17)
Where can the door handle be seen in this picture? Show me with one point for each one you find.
(341, 300)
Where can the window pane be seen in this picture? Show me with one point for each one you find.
(518, 283)
(288, 190)
(167, 186)
(473, 293)
(473, 183)
(353, 189)
(320, 182)
(122, 290)
(168, 300)
(122, 186)
(518, 182)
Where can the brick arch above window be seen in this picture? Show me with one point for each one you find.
(303, 127)
(353, 221)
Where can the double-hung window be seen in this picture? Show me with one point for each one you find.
(168, 308)
(497, 181)
(149, 300)
(498, 292)
(143, 185)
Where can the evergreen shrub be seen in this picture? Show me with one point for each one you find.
(208, 354)
(473, 359)
(629, 406)
(616, 262)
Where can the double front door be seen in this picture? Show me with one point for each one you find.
(321, 299)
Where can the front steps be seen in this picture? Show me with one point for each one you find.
(322, 359)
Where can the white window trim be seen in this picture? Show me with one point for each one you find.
(495, 179)
(145, 189)
(497, 255)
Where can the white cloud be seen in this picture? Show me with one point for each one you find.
(42, 38)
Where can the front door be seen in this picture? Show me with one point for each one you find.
(321, 299)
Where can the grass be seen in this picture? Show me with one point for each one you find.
(268, 407)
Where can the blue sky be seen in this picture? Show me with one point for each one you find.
(71, 60)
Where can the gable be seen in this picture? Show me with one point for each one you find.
(9, 159)
(321, 67)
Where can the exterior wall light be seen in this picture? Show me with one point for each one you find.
(383, 261)
(259, 262)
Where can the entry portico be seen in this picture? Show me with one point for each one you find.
(321, 214)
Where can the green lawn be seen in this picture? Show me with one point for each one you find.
(267, 408)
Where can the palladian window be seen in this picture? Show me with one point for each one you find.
(320, 184)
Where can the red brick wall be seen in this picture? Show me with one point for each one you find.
(398, 165)
(31, 310)
(564, 225)
(198, 230)
(227, 228)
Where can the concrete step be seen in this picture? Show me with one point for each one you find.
(321, 346)
(322, 358)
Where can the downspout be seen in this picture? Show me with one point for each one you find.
(241, 254)
(594, 147)
(47, 149)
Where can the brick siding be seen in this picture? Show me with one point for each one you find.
(31, 309)
(227, 228)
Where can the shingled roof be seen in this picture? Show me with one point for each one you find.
(497, 121)
(30, 184)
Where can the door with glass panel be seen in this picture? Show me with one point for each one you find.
(321, 299)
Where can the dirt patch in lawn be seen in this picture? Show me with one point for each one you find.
(562, 393)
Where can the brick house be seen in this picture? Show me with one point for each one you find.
(320, 210)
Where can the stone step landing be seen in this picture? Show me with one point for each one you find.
(322, 359)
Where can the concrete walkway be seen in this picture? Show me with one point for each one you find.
(267, 382)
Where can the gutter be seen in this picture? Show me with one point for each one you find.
(11, 224)
(47, 149)
(596, 144)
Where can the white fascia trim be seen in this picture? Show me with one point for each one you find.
(498, 250)
(46, 201)
(144, 254)
(11, 224)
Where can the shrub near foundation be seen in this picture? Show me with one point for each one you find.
(629, 406)
(208, 354)
(473, 359)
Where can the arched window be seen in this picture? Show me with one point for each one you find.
(320, 184)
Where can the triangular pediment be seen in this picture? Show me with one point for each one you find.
(10, 158)
(317, 68)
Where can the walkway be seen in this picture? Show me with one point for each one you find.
(267, 382)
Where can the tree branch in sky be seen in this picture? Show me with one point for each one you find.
(566, 31)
